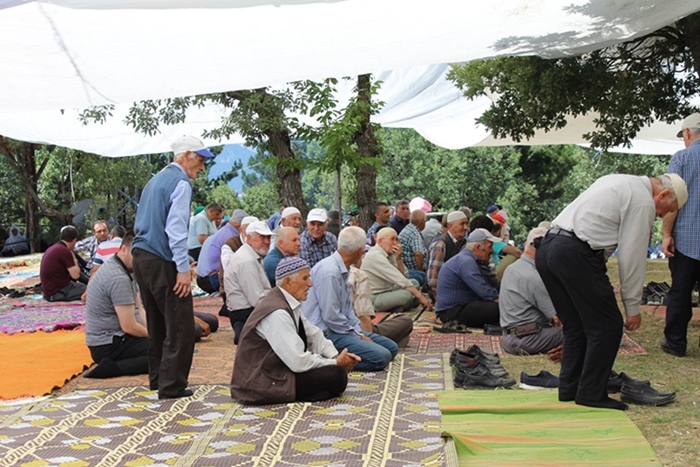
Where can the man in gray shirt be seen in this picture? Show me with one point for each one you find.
(528, 318)
(118, 342)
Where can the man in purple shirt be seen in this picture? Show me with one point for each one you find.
(210, 257)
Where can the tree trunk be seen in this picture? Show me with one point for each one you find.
(21, 157)
(368, 148)
(288, 171)
(690, 27)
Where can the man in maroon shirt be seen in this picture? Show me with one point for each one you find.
(59, 271)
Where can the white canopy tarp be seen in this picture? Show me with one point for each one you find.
(73, 54)
(417, 97)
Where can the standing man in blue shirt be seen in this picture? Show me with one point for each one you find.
(162, 270)
(681, 242)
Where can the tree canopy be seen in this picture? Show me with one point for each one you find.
(625, 86)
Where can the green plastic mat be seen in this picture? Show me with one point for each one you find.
(532, 428)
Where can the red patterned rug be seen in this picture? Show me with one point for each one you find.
(433, 342)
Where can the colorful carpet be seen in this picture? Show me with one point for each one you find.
(25, 317)
(526, 428)
(36, 363)
(388, 418)
(433, 342)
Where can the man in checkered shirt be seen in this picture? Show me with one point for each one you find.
(681, 242)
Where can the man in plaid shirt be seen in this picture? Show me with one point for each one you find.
(415, 254)
(681, 242)
(316, 243)
(446, 246)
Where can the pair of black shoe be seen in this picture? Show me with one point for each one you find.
(476, 369)
(640, 392)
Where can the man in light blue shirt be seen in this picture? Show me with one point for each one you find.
(329, 305)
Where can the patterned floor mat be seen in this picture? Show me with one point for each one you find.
(25, 317)
(387, 418)
(433, 342)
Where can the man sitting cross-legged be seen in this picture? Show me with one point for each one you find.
(388, 283)
(329, 305)
(281, 356)
(528, 317)
(398, 328)
(118, 342)
(464, 294)
(59, 271)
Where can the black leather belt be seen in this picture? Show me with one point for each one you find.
(565, 233)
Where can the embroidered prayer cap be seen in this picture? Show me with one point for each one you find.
(249, 220)
(288, 266)
(286, 212)
(455, 216)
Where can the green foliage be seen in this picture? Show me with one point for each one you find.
(626, 86)
(11, 199)
(261, 200)
(221, 193)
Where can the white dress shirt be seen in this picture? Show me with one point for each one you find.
(280, 331)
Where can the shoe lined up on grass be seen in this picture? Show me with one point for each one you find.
(614, 382)
(542, 380)
(476, 369)
(640, 392)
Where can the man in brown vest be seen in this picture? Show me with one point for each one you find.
(281, 357)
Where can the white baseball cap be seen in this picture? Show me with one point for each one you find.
(691, 121)
(318, 215)
(190, 143)
(259, 227)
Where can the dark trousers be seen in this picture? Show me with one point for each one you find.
(685, 273)
(170, 323)
(205, 284)
(73, 291)
(238, 319)
(321, 384)
(576, 279)
(194, 252)
(129, 353)
(474, 314)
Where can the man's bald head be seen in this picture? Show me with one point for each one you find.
(418, 218)
(288, 241)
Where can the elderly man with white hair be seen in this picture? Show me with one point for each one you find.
(528, 318)
(446, 246)
(282, 357)
(388, 283)
(330, 307)
(615, 213)
(464, 294)
(290, 217)
(162, 269)
(245, 280)
(316, 242)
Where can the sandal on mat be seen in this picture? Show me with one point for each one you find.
(452, 327)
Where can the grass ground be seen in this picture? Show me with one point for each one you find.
(672, 430)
